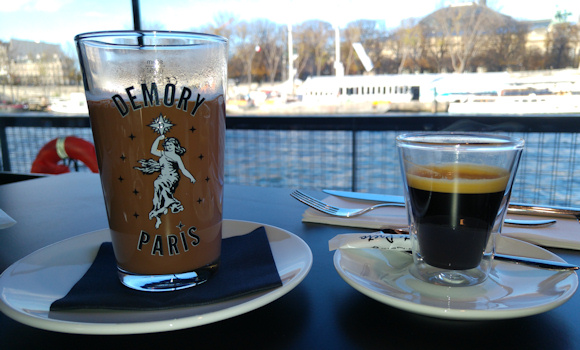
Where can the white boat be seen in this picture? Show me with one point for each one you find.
(534, 92)
(75, 104)
(520, 100)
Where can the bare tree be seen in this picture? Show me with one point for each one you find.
(313, 40)
(244, 41)
(303, 52)
(409, 41)
(436, 49)
(373, 37)
(273, 46)
(561, 41)
(465, 27)
(534, 59)
(223, 25)
(352, 34)
(506, 48)
(371, 34)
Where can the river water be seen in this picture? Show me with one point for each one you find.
(549, 172)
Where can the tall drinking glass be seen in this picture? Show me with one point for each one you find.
(157, 111)
(457, 189)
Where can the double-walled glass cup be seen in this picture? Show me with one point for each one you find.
(157, 110)
(457, 189)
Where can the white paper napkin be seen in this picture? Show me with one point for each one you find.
(564, 234)
(5, 220)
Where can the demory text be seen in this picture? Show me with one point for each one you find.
(150, 97)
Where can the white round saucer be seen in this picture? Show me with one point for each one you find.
(29, 286)
(511, 290)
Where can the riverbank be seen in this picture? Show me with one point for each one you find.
(37, 97)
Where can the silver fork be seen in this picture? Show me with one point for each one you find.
(349, 213)
(336, 211)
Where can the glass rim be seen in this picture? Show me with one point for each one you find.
(136, 34)
(458, 139)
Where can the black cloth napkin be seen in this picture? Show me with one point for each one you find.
(247, 266)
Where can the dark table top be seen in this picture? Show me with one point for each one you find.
(323, 312)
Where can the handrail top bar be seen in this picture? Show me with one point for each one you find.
(319, 115)
(568, 123)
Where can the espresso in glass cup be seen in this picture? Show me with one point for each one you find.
(457, 189)
(157, 110)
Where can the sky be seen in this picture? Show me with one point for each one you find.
(58, 21)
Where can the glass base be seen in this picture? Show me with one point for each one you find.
(166, 283)
(448, 278)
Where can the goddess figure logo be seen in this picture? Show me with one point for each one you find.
(168, 166)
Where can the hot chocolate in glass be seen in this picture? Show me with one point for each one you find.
(157, 110)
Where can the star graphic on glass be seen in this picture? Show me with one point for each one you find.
(161, 125)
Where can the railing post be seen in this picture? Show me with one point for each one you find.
(354, 160)
(4, 148)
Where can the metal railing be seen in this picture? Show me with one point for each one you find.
(349, 152)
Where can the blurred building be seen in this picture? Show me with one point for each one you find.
(29, 63)
(470, 35)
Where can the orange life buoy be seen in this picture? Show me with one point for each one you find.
(70, 147)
